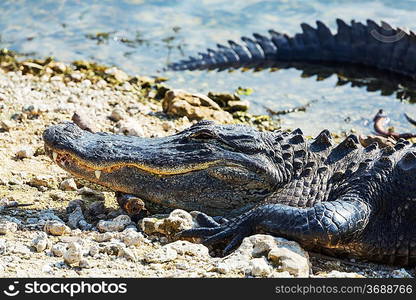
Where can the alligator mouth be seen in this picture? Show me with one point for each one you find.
(69, 161)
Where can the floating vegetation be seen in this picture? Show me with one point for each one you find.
(244, 91)
(137, 41)
(290, 110)
(100, 37)
(172, 42)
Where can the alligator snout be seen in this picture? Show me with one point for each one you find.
(62, 135)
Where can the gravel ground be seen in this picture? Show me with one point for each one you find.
(41, 239)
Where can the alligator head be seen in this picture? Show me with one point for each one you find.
(211, 168)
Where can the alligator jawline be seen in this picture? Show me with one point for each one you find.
(64, 158)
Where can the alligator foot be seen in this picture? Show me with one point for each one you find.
(379, 120)
(132, 205)
(236, 230)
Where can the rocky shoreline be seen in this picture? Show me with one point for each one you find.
(52, 226)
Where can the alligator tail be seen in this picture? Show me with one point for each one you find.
(370, 44)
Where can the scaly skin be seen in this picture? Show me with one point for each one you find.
(368, 44)
(342, 200)
(364, 54)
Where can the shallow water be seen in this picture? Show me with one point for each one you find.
(143, 36)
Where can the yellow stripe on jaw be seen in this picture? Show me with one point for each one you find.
(112, 167)
(154, 171)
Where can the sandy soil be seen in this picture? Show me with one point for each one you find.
(28, 104)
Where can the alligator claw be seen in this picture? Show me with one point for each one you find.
(199, 232)
(236, 230)
(207, 221)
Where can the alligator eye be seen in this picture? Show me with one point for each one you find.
(202, 135)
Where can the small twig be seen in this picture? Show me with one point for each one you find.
(409, 119)
(13, 204)
(379, 120)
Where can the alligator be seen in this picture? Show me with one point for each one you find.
(377, 56)
(339, 199)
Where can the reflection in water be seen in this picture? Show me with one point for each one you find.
(373, 80)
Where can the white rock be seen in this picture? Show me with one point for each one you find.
(260, 267)
(46, 269)
(117, 114)
(56, 228)
(24, 152)
(177, 221)
(86, 83)
(130, 127)
(83, 263)
(286, 255)
(114, 247)
(118, 74)
(20, 250)
(188, 248)
(133, 238)
(289, 260)
(101, 83)
(7, 227)
(40, 242)
(73, 254)
(58, 249)
(104, 237)
(60, 67)
(94, 250)
(56, 78)
(68, 185)
(77, 76)
(7, 125)
(235, 263)
(117, 224)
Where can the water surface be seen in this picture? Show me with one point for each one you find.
(141, 37)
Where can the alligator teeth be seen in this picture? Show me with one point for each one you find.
(54, 156)
(97, 174)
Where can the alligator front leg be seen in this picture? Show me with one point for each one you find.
(325, 225)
